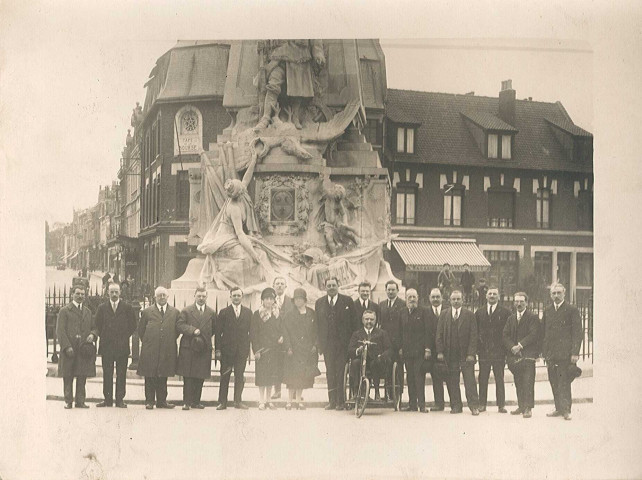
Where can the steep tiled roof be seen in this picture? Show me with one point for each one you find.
(569, 127)
(443, 137)
(489, 121)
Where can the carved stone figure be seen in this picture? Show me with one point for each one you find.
(333, 218)
(137, 115)
(287, 62)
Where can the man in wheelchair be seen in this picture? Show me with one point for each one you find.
(379, 351)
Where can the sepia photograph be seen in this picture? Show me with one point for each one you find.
(369, 253)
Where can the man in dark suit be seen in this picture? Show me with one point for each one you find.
(157, 361)
(233, 347)
(74, 327)
(491, 320)
(115, 323)
(562, 341)
(417, 348)
(521, 340)
(195, 357)
(433, 313)
(391, 310)
(364, 303)
(378, 360)
(284, 302)
(335, 318)
(457, 345)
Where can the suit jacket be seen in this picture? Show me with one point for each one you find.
(334, 324)
(490, 329)
(563, 332)
(466, 330)
(391, 321)
(72, 329)
(286, 307)
(158, 335)
(232, 334)
(114, 329)
(526, 333)
(418, 333)
(374, 306)
(383, 346)
(190, 363)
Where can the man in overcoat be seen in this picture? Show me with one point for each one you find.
(335, 318)
(194, 363)
(73, 328)
(157, 361)
(521, 340)
(379, 353)
(563, 336)
(232, 347)
(417, 347)
(391, 310)
(491, 320)
(457, 345)
(115, 324)
(284, 302)
(434, 312)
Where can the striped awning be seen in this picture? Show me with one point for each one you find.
(429, 255)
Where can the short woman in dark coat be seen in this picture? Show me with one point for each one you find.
(300, 336)
(267, 345)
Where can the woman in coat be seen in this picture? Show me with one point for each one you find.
(267, 345)
(300, 335)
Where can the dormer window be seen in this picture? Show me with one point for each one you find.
(499, 146)
(405, 140)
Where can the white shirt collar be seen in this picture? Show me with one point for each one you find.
(200, 307)
(161, 309)
(491, 308)
(456, 311)
(76, 304)
(558, 306)
(368, 332)
(237, 308)
(115, 304)
(333, 300)
(438, 308)
(392, 302)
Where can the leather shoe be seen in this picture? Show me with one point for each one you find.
(502, 410)
(103, 404)
(517, 411)
(149, 406)
(82, 405)
(240, 406)
(409, 409)
(121, 404)
(165, 405)
(436, 409)
(276, 396)
(423, 410)
(482, 408)
(341, 407)
(527, 413)
(185, 407)
(456, 410)
(475, 412)
(198, 406)
(567, 416)
(330, 406)
(222, 406)
(68, 406)
(554, 413)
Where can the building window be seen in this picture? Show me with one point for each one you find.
(405, 140)
(182, 195)
(504, 270)
(499, 146)
(501, 208)
(371, 131)
(452, 205)
(406, 202)
(543, 207)
(585, 210)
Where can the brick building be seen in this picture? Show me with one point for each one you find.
(475, 178)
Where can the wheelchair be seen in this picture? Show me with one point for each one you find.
(361, 396)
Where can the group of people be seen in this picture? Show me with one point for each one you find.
(286, 338)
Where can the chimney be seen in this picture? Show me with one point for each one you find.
(507, 102)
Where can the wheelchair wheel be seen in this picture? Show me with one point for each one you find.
(361, 399)
(346, 381)
(397, 385)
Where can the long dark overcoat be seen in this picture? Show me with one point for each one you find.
(73, 328)
(300, 335)
(190, 363)
(158, 334)
(563, 333)
(334, 324)
(265, 336)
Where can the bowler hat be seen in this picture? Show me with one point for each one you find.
(88, 350)
(197, 344)
(300, 293)
(574, 371)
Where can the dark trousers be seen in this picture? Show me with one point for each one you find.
(335, 361)
(108, 377)
(470, 385)
(68, 389)
(235, 363)
(438, 389)
(561, 386)
(155, 390)
(484, 375)
(525, 385)
(192, 389)
(416, 379)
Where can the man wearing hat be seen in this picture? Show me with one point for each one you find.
(197, 324)
(563, 335)
(115, 324)
(521, 341)
(157, 361)
(76, 334)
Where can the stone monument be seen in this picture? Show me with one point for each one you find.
(291, 188)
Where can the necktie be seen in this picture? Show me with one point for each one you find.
(490, 311)
(163, 311)
(436, 314)
(389, 303)
(519, 317)
(80, 307)
(113, 307)
(456, 316)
